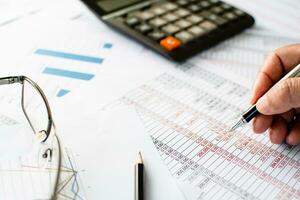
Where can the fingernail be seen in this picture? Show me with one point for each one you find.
(271, 136)
(254, 125)
(289, 140)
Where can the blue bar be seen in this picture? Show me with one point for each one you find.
(107, 46)
(71, 56)
(68, 74)
(62, 92)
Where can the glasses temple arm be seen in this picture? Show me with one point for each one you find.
(11, 80)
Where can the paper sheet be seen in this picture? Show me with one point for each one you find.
(25, 174)
(187, 119)
(185, 112)
(112, 139)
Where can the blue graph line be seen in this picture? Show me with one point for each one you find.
(71, 56)
(68, 74)
(62, 92)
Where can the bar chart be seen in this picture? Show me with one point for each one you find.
(69, 68)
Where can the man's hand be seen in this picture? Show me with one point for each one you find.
(280, 105)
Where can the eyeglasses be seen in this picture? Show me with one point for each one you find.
(37, 112)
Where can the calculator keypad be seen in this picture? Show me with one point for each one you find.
(178, 22)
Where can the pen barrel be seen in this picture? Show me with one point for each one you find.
(139, 182)
(250, 113)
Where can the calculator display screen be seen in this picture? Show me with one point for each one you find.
(108, 6)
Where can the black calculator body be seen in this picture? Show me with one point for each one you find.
(177, 29)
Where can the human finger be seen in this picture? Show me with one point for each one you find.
(261, 123)
(281, 98)
(278, 63)
(294, 136)
(278, 130)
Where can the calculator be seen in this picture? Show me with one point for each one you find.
(177, 29)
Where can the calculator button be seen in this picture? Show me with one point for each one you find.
(169, 6)
(204, 4)
(214, 1)
(217, 10)
(158, 10)
(182, 23)
(230, 16)
(239, 12)
(194, 8)
(157, 35)
(213, 17)
(196, 31)
(170, 43)
(208, 26)
(226, 6)
(157, 22)
(182, 2)
(184, 36)
(145, 15)
(170, 29)
(182, 12)
(206, 14)
(218, 20)
(143, 28)
(170, 17)
(195, 19)
(132, 21)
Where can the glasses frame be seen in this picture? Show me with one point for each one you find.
(50, 126)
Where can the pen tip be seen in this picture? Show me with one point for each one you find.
(236, 125)
(231, 129)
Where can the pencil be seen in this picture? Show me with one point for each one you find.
(139, 178)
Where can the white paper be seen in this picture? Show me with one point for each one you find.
(107, 143)
(188, 118)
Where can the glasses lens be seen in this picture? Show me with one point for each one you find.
(32, 171)
(16, 136)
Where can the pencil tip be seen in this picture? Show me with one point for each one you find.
(140, 158)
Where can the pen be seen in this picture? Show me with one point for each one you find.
(252, 111)
(139, 178)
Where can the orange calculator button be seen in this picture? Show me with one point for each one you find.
(170, 43)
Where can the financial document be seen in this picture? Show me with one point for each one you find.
(187, 111)
(244, 54)
(188, 118)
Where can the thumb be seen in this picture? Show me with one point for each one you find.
(282, 97)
